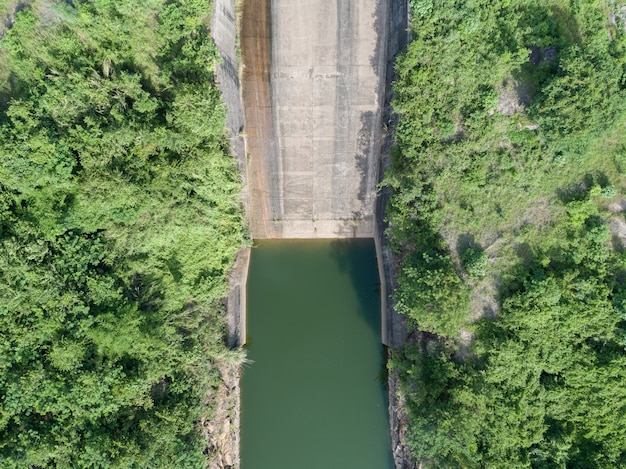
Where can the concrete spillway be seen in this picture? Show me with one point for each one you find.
(313, 87)
(313, 84)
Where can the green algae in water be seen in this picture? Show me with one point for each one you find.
(312, 396)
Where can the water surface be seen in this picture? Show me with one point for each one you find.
(313, 397)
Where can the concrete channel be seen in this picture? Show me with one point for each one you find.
(305, 111)
(315, 83)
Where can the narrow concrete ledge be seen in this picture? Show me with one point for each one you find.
(236, 301)
(224, 34)
(323, 229)
(224, 30)
(223, 428)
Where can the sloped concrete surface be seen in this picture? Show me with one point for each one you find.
(313, 85)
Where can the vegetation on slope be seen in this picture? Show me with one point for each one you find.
(511, 150)
(119, 217)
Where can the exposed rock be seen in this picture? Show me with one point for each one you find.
(618, 230)
(12, 8)
(619, 13)
(221, 430)
(537, 56)
(618, 206)
(534, 56)
(513, 96)
(548, 54)
(484, 300)
(398, 421)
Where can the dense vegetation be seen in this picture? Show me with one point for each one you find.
(119, 216)
(508, 220)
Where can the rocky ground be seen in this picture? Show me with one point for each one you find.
(398, 422)
(221, 429)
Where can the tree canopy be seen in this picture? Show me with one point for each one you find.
(119, 218)
(507, 179)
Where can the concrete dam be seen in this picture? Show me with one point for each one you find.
(313, 88)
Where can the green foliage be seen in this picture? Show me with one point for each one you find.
(475, 262)
(119, 217)
(511, 136)
(431, 293)
(466, 65)
(546, 386)
(463, 166)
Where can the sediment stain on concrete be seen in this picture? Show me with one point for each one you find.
(313, 84)
(262, 167)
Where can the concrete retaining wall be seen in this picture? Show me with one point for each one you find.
(393, 325)
(224, 31)
(223, 429)
(224, 27)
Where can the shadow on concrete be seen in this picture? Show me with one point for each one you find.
(367, 154)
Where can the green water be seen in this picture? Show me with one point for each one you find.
(313, 397)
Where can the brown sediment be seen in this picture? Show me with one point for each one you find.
(256, 41)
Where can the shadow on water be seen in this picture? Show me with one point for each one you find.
(357, 258)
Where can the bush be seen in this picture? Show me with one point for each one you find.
(475, 262)
(119, 217)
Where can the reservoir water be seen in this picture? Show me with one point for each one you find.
(313, 395)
